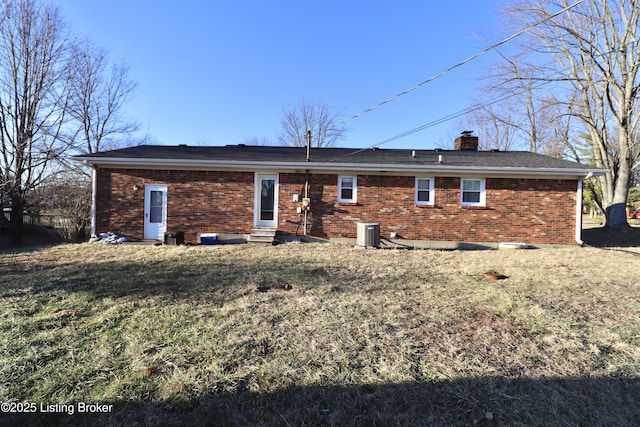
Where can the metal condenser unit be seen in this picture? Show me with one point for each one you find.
(368, 234)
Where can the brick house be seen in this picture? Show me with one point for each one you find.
(460, 195)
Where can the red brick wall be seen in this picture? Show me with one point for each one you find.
(197, 201)
(525, 210)
(537, 211)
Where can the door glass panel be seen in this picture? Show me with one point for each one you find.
(155, 207)
(267, 199)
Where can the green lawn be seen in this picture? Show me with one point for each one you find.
(340, 336)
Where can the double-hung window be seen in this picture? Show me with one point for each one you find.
(472, 192)
(424, 191)
(347, 189)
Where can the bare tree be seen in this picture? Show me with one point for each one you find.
(518, 109)
(68, 195)
(595, 46)
(564, 135)
(493, 123)
(530, 102)
(33, 78)
(318, 118)
(98, 91)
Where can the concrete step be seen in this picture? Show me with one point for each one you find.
(263, 231)
(264, 236)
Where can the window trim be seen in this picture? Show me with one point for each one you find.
(483, 198)
(430, 189)
(354, 196)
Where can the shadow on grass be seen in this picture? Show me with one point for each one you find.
(218, 281)
(601, 238)
(31, 238)
(490, 401)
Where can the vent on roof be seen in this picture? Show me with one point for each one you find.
(242, 145)
(375, 149)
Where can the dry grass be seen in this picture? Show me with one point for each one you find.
(390, 337)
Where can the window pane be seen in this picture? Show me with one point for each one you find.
(266, 215)
(155, 215)
(346, 194)
(347, 188)
(471, 185)
(424, 184)
(155, 207)
(267, 200)
(156, 198)
(471, 197)
(423, 196)
(347, 182)
(267, 194)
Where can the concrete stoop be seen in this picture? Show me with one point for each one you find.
(262, 236)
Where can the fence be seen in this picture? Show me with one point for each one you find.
(66, 226)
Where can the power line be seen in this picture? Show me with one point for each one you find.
(424, 126)
(441, 120)
(459, 64)
(460, 112)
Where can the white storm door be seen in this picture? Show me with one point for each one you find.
(266, 200)
(155, 211)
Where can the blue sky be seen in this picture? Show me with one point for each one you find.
(216, 73)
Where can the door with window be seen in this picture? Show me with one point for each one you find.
(266, 200)
(155, 211)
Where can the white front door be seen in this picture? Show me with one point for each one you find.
(266, 200)
(155, 211)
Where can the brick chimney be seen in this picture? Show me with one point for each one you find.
(466, 142)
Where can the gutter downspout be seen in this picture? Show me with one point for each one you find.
(94, 194)
(579, 210)
(306, 196)
(306, 183)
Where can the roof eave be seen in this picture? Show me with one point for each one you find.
(331, 166)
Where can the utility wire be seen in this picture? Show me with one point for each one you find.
(424, 126)
(459, 64)
(454, 115)
(441, 120)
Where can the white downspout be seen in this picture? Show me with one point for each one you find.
(94, 193)
(579, 210)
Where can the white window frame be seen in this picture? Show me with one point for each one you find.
(482, 191)
(418, 189)
(354, 193)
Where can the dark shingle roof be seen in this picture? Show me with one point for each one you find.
(335, 156)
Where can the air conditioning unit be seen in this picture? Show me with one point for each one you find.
(368, 234)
